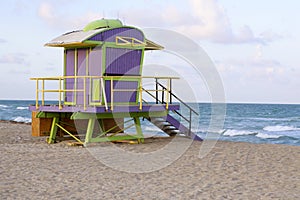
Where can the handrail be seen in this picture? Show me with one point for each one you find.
(103, 94)
(179, 100)
(172, 94)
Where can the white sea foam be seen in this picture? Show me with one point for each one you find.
(267, 136)
(232, 133)
(279, 128)
(22, 119)
(3, 106)
(152, 128)
(22, 108)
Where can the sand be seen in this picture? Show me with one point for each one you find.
(32, 169)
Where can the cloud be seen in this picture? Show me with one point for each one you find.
(13, 58)
(56, 19)
(2, 41)
(207, 20)
(199, 19)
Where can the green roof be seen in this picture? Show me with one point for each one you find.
(103, 23)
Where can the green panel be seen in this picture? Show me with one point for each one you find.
(96, 90)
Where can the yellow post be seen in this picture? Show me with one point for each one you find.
(168, 94)
(59, 99)
(37, 94)
(84, 93)
(43, 93)
(111, 93)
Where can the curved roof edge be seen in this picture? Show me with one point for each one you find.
(103, 23)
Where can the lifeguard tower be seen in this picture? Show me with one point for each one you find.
(103, 82)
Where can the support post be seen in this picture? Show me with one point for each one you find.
(89, 131)
(156, 91)
(138, 129)
(53, 130)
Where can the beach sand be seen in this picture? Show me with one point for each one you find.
(32, 169)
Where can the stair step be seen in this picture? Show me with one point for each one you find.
(169, 128)
(162, 124)
(157, 120)
(172, 132)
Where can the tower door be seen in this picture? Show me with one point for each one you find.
(122, 62)
(77, 66)
(69, 71)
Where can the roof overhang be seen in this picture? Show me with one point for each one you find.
(75, 38)
(80, 39)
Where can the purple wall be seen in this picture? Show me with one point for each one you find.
(121, 96)
(110, 35)
(70, 71)
(95, 62)
(123, 61)
(81, 71)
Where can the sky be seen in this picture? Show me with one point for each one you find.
(254, 44)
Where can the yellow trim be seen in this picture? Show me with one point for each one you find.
(100, 79)
(129, 41)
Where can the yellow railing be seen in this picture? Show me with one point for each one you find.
(88, 90)
(129, 41)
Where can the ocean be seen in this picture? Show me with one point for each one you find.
(254, 123)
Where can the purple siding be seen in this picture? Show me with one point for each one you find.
(95, 69)
(110, 35)
(95, 61)
(121, 96)
(81, 71)
(70, 71)
(123, 61)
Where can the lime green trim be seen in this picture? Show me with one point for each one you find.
(89, 131)
(96, 90)
(81, 115)
(139, 132)
(114, 45)
(42, 114)
(53, 130)
(93, 42)
(115, 138)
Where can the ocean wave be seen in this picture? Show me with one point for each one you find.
(3, 106)
(268, 136)
(232, 133)
(22, 108)
(279, 128)
(22, 119)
